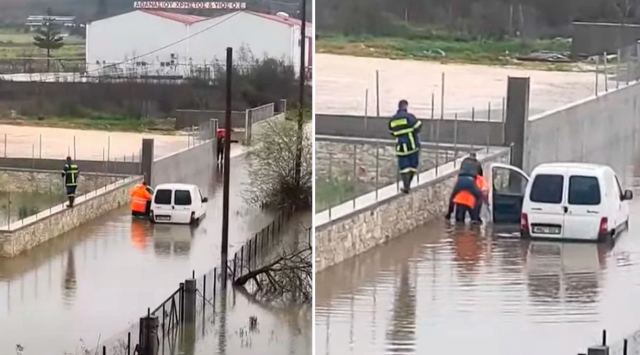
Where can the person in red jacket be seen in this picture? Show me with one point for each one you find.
(220, 137)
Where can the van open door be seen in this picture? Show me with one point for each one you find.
(506, 194)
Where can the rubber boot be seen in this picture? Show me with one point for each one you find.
(406, 182)
(71, 199)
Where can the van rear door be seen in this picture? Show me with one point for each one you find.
(162, 205)
(508, 187)
(585, 207)
(183, 205)
(545, 209)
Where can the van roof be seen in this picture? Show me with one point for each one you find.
(174, 186)
(581, 166)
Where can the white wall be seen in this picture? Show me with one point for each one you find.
(264, 37)
(131, 34)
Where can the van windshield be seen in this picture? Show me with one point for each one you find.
(163, 197)
(547, 189)
(183, 198)
(584, 190)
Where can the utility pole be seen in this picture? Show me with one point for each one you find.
(227, 162)
(303, 46)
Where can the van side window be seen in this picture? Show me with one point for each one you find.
(163, 197)
(182, 197)
(547, 189)
(584, 190)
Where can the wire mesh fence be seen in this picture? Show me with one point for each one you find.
(345, 171)
(46, 197)
(210, 296)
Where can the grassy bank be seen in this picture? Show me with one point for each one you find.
(14, 44)
(492, 52)
(98, 122)
(336, 191)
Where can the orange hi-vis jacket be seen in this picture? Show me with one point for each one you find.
(139, 198)
(466, 198)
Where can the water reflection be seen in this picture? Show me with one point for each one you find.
(140, 231)
(401, 334)
(172, 240)
(439, 284)
(70, 282)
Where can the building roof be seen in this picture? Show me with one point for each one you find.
(182, 18)
(290, 21)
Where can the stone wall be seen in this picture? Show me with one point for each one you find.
(339, 158)
(362, 229)
(42, 181)
(50, 224)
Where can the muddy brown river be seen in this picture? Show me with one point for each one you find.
(461, 290)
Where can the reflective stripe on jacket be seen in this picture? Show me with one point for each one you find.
(70, 174)
(405, 128)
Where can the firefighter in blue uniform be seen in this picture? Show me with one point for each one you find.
(70, 174)
(406, 128)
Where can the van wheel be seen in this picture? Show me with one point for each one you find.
(152, 218)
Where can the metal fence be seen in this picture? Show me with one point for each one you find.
(358, 169)
(210, 293)
(17, 213)
(626, 346)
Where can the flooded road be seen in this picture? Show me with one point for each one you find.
(94, 281)
(457, 290)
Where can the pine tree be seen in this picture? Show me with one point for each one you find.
(48, 37)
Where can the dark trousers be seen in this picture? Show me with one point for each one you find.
(71, 194)
(468, 183)
(408, 166)
(461, 213)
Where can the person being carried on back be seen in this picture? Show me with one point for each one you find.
(470, 168)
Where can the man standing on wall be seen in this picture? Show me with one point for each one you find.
(70, 175)
(406, 128)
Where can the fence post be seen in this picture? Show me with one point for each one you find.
(442, 98)
(204, 290)
(148, 343)
(437, 145)
(128, 343)
(596, 71)
(618, 68)
(190, 301)
(241, 259)
(5, 145)
(355, 172)
(433, 102)
(624, 347)
(215, 281)
(366, 105)
(181, 302)
(74, 147)
(40, 148)
(377, 93)
(377, 167)
(455, 139)
(489, 125)
(606, 75)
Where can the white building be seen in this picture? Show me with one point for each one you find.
(151, 42)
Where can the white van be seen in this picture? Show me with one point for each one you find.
(565, 201)
(178, 203)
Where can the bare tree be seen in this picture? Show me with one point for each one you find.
(287, 279)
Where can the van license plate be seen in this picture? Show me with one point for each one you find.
(546, 230)
(163, 218)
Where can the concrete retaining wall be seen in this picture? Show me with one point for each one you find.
(38, 229)
(21, 180)
(255, 127)
(599, 129)
(195, 118)
(468, 132)
(113, 167)
(358, 231)
(182, 165)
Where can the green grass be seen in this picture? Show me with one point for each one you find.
(15, 44)
(477, 51)
(333, 192)
(99, 122)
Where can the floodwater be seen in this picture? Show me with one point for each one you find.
(96, 280)
(457, 290)
(342, 82)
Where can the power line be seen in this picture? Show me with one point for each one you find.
(163, 47)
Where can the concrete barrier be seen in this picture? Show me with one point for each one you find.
(182, 165)
(351, 231)
(29, 180)
(444, 131)
(35, 230)
(114, 167)
(600, 129)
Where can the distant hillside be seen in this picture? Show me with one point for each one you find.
(14, 12)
